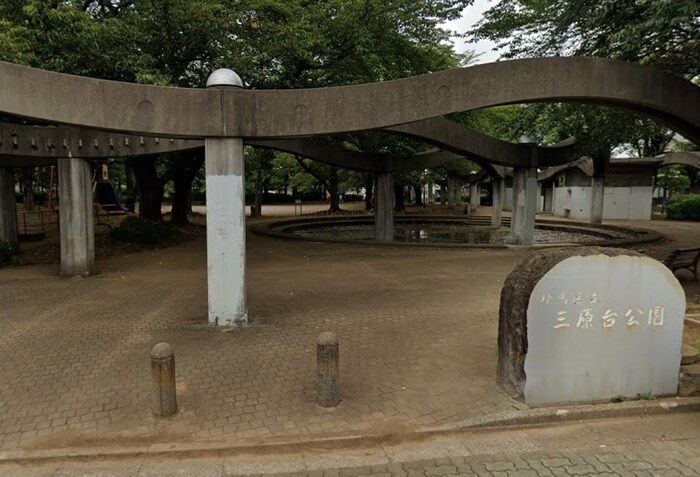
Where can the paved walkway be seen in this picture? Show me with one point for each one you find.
(663, 446)
(417, 329)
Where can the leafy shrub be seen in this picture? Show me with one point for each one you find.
(145, 232)
(5, 252)
(683, 207)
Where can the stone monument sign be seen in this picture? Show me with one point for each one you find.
(590, 324)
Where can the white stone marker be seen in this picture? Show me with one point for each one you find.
(600, 327)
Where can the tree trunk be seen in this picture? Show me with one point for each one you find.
(418, 190)
(333, 190)
(446, 193)
(256, 211)
(369, 191)
(399, 201)
(183, 175)
(28, 187)
(131, 190)
(150, 187)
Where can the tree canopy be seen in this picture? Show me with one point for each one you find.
(665, 33)
(270, 43)
(661, 33)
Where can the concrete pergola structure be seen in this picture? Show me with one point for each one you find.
(41, 145)
(22, 146)
(223, 117)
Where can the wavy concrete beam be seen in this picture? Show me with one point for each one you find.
(174, 112)
(585, 164)
(360, 161)
(457, 138)
(689, 158)
(22, 146)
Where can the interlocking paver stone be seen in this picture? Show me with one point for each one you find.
(86, 343)
(417, 334)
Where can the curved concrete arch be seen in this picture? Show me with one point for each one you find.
(481, 148)
(22, 145)
(584, 164)
(360, 161)
(175, 112)
(459, 139)
(436, 158)
(689, 158)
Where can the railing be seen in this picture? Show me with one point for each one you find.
(36, 221)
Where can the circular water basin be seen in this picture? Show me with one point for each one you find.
(451, 231)
(438, 233)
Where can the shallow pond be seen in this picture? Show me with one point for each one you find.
(438, 233)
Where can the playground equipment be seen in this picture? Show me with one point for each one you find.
(106, 197)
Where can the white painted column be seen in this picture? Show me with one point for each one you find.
(76, 217)
(597, 199)
(498, 196)
(522, 225)
(226, 241)
(8, 208)
(384, 207)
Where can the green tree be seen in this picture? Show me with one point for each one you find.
(271, 43)
(664, 33)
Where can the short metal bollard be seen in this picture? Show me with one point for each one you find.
(327, 356)
(164, 402)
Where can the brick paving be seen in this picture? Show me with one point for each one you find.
(661, 447)
(417, 332)
(417, 337)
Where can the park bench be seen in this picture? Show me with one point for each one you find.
(684, 258)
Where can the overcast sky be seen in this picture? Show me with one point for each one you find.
(470, 16)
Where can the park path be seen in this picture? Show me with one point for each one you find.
(417, 329)
(662, 446)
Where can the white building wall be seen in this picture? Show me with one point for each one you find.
(631, 203)
(573, 202)
(625, 203)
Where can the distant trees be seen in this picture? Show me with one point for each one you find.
(664, 33)
(270, 43)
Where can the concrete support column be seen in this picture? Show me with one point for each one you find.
(498, 195)
(456, 193)
(447, 195)
(76, 217)
(597, 199)
(226, 243)
(384, 207)
(8, 208)
(474, 195)
(522, 224)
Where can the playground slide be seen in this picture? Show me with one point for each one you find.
(107, 198)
